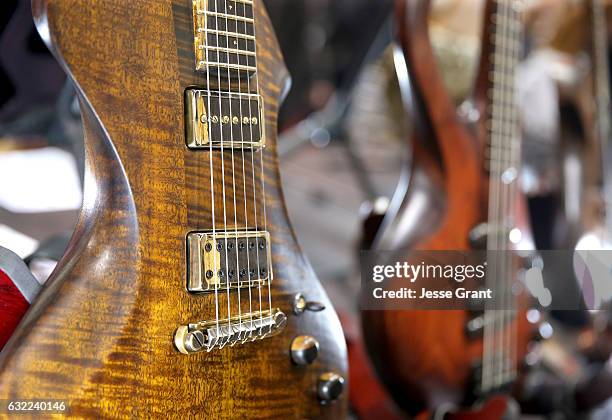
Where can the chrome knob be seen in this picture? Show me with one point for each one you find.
(330, 387)
(304, 350)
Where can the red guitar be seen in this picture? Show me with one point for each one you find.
(18, 288)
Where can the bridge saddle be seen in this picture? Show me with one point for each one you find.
(213, 334)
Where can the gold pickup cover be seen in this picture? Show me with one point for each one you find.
(242, 259)
(220, 119)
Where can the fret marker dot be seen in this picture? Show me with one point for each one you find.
(235, 120)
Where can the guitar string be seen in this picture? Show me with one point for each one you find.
(511, 135)
(517, 158)
(499, 222)
(263, 192)
(263, 207)
(491, 241)
(501, 217)
(505, 136)
(506, 200)
(504, 279)
(244, 186)
(229, 273)
(208, 117)
(248, 77)
(502, 138)
(490, 268)
(506, 185)
(240, 270)
(491, 349)
(222, 159)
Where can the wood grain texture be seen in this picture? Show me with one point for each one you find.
(424, 356)
(100, 335)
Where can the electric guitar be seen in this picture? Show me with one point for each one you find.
(461, 193)
(183, 291)
(18, 289)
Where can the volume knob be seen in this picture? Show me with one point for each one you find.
(330, 387)
(304, 349)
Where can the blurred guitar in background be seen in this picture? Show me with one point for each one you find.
(460, 194)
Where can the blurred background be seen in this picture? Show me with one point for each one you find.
(344, 137)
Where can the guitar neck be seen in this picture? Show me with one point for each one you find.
(504, 165)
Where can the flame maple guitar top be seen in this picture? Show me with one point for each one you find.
(101, 334)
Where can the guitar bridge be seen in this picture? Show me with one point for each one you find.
(213, 334)
(223, 260)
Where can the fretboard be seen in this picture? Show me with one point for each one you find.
(224, 37)
(504, 136)
(499, 364)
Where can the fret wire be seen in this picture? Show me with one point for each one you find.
(228, 50)
(226, 16)
(227, 33)
(231, 66)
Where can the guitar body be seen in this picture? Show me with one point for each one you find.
(13, 305)
(100, 336)
(18, 288)
(425, 356)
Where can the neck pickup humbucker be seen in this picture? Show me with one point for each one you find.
(228, 260)
(216, 119)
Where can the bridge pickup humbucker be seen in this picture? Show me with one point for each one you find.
(221, 119)
(228, 259)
